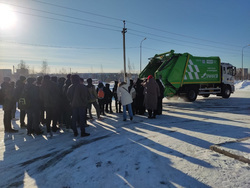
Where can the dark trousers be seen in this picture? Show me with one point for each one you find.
(22, 117)
(150, 114)
(42, 119)
(109, 107)
(159, 106)
(50, 115)
(79, 113)
(13, 111)
(33, 121)
(118, 104)
(7, 120)
(140, 109)
(101, 104)
(66, 117)
(97, 108)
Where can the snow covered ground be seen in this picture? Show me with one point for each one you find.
(170, 151)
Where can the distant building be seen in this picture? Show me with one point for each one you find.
(245, 73)
(5, 73)
(22, 72)
(239, 74)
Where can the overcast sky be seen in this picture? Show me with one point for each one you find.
(85, 36)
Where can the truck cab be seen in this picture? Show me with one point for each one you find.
(228, 72)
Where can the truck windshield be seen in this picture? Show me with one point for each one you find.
(231, 70)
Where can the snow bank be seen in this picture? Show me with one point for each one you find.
(242, 85)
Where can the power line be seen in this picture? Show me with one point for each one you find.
(63, 47)
(141, 25)
(78, 10)
(177, 34)
(175, 43)
(179, 40)
(164, 37)
(33, 9)
(66, 21)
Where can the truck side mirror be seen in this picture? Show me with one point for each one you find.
(234, 71)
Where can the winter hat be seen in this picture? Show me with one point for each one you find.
(22, 78)
(46, 77)
(61, 80)
(100, 85)
(89, 80)
(30, 80)
(150, 76)
(6, 79)
(75, 79)
(68, 76)
(54, 79)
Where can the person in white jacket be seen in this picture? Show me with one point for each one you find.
(126, 99)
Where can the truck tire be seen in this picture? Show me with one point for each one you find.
(191, 95)
(226, 92)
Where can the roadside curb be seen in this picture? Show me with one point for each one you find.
(218, 148)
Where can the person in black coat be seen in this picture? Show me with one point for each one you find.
(8, 101)
(108, 99)
(50, 97)
(18, 91)
(78, 97)
(13, 111)
(139, 106)
(159, 101)
(131, 90)
(33, 108)
(39, 84)
(67, 106)
(62, 98)
(118, 104)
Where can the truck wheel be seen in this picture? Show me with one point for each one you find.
(226, 92)
(191, 95)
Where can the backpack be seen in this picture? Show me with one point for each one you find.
(24, 101)
(1, 96)
(100, 93)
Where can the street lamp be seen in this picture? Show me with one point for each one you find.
(140, 52)
(242, 74)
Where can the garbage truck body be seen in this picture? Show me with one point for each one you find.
(187, 76)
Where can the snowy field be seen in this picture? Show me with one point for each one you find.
(170, 151)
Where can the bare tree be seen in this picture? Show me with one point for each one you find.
(22, 65)
(62, 71)
(131, 68)
(32, 71)
(23, 69)
(45, 68)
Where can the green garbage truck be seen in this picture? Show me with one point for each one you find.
(187, 76)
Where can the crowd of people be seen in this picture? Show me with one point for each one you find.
(56, 102)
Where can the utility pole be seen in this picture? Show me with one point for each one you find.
(141, 53)
(124, 50)
(242, 69)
